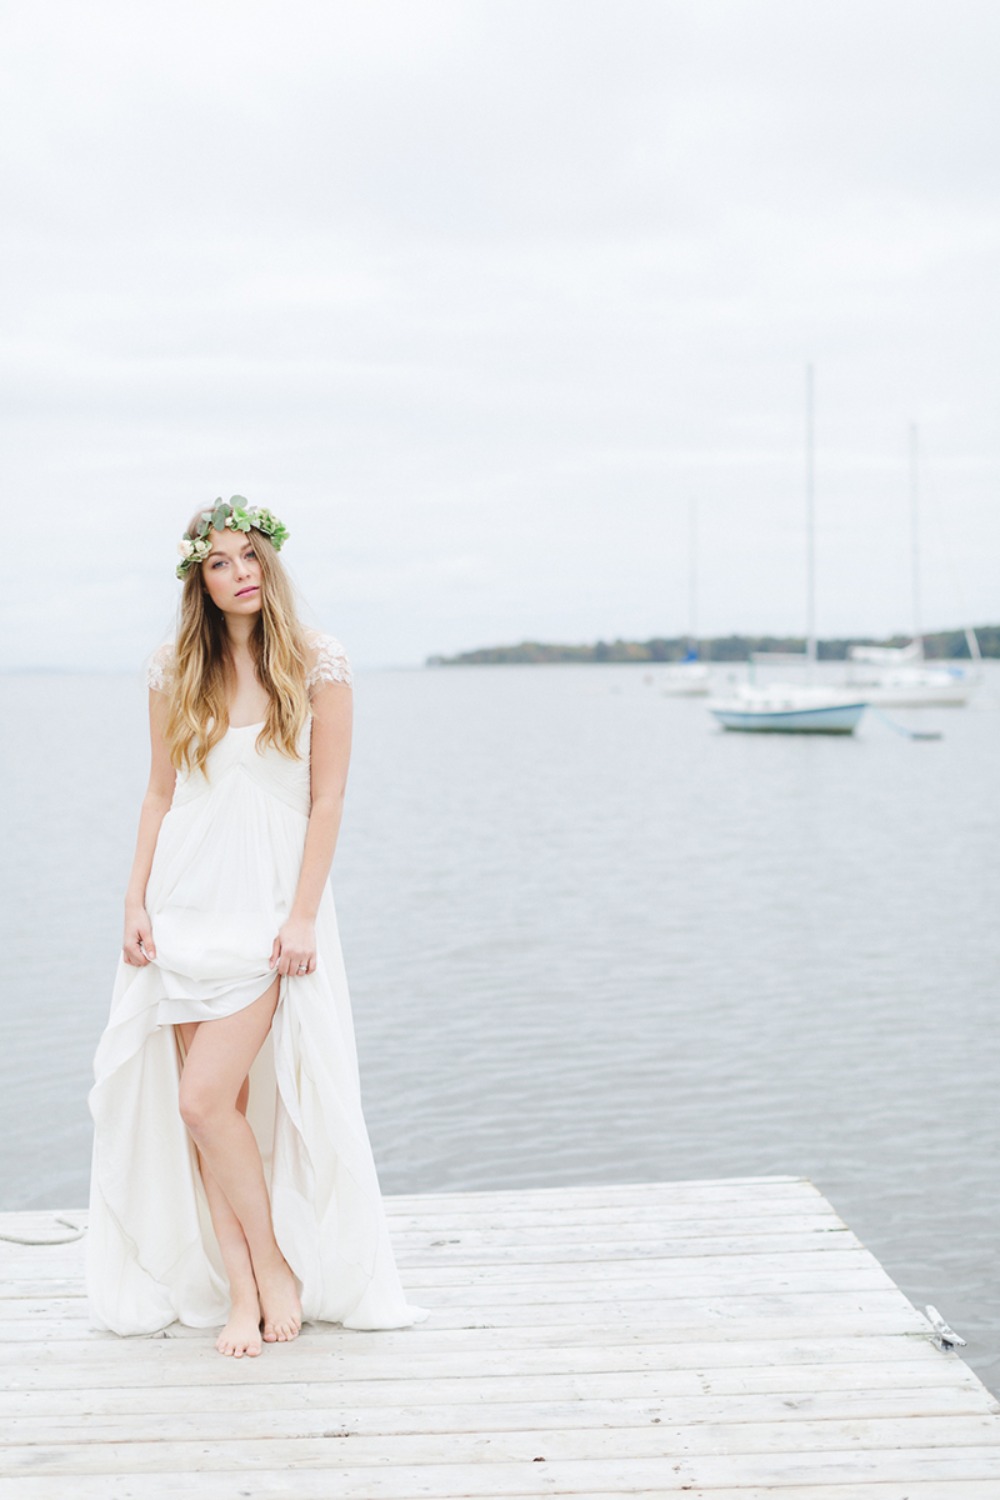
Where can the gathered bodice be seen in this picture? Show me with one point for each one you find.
(237, 754)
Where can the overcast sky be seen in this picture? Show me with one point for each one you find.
(480, 295)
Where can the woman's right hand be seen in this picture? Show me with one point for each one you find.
(137, 944)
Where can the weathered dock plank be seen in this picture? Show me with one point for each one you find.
(730, 1340)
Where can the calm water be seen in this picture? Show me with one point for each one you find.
(590, 939)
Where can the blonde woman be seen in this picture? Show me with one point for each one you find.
(232, 1179)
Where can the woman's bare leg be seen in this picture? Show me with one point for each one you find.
(218, 1060)
(241, 1335)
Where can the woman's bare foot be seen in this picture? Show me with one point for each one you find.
(280, 1307)
(241, 1334)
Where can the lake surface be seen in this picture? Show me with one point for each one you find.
(591, 938)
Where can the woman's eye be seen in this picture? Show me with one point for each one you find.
(249, 552)
(219, 562)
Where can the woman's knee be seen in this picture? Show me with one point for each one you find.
(197, 1105)
(202, 1106)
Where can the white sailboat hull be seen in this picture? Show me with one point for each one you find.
(686, 680)
(928, 688)
(791, 710)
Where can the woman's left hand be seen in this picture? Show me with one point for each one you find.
(294, 951)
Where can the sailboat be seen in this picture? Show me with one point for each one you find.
(689, 677)
(899, 676)
(789, 708)
(794, 708)
(910, 682)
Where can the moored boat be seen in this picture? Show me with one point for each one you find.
(900, 676)
(788, 709)
(686, 679)
(792, 707)
(914, 687)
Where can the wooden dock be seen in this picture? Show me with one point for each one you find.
(718, 1340)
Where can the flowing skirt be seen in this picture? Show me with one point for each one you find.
(225, 866)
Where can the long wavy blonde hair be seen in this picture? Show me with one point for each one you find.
(197, 712)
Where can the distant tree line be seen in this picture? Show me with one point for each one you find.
(946, 644)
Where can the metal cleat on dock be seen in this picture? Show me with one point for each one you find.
(947, 1338)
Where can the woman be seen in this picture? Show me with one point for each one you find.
(232, 1177)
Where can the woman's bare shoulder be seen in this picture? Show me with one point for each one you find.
(328, 661)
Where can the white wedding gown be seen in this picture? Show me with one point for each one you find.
(223, 877)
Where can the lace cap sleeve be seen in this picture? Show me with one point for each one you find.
(160, 666)
(329, 662)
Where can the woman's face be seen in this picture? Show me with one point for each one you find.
(232, 574)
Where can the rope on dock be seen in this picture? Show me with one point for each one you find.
(66, 1239)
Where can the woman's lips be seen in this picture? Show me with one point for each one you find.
(242, 593)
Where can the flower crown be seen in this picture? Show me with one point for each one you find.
(235, 515)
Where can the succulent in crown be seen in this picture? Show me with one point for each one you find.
(234, 515)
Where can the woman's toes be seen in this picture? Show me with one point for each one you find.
(249, 1344)
(241, 1335)
(280, 1302)
(280, 1333)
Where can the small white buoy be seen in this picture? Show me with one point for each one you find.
(946, 1337)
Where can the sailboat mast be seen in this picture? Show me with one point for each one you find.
(915, 537)
(693, 574)
(810, 519)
